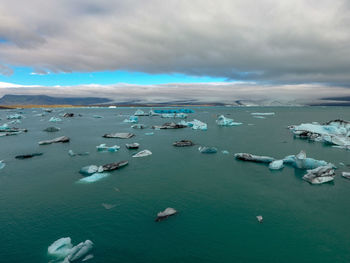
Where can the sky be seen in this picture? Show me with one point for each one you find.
(215, 49)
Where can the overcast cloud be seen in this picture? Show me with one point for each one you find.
(271, 41)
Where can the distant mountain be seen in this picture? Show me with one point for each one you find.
(47, 100)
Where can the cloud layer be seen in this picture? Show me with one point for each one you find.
(271, 41)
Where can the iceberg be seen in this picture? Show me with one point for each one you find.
(64, 251)
(170, 125)
(14, 116)
(149, 133)
(108, 206)
(62, 139)
(114, 166)
(93, 178)
(183, 143)
(259, 117)
(195, 125)
(121, 135)
(206, 149)
(166, 213)
(225, 152)
(319, 175)
(174, 115)
(254, 158)
(104, 148)
(138, 126)
(276, 165)
(260, 219)
(223, 121)
(72, 153)
(132, 119)
(134, 145)
(15, 122)
(52, 129)
(97, 116)
(142, 153)
(153, 113)
(302, 162)
(91, 169)
(344, 174)
(262, 113)
(55, 119)
(2, 164)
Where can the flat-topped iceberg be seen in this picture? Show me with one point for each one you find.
(183, 143)
(254, 158)
(319, 175)
(223, 121)
(114, 166)
(142, 153)
(93, 178)
(62, 139)
(302, 162)
(119, 135)
(63, 250)
(51, 129)
(104, 148)
(166, 213)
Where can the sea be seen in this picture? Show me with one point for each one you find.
(217, 197)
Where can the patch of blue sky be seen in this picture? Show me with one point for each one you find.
(25, 76)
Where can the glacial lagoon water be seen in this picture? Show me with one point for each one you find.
(218, 197)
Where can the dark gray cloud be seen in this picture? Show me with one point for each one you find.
(292, 41)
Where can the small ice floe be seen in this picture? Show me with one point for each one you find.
(183, 143)
(169, 125)
(225, 152)
(138, 126)
(207, 149)
(104, 148)
(344, 174)
(259, 117)
(140, 113)
(276, 165)
(91, 169)
(108, 206)
(116, 189)
(149, 133)
(223, 121)
(55, 119)
(302, 162)
(93, 178)
(27, 156)
(142, 153)
(2, 164)
(51, 129)
(132, 119)
(15, 116)
(63, 250)
(120, 135)
(253, 158)
(260, 219)
(132, 146)
(342, 164)
(165, 214)
(114, 166)
(262, 113)
(62, 139)
(320, 175)
(72, 153)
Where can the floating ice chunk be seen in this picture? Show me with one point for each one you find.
(103, 147)
(195, 124)
(260, 219)
(138, 126)
(276, 165)
(55, 119)
(91, 169)
(169, 125)
(346, 175)
(5, 126)
(259, 117)
(166, 213)
(97, 116)
(223, 121)
(108, 206)
(62, 139)
(15, 122)
(319, 175)
(153, 113)
(262, 113)
(27, 156)
(2, 164)
(52, 129)
(114, 166)
(61, 248)
(72, 153)
(134, 145)
(140, 113)
(300, 161)
(14, 116)
(254, 158)
(142, 153)
(181, 115)
(80, 251)
(93, 178)
(183, 143)
(132, 119)
(90, 256)
(112, 107)
(121, 135)
(149, 133)
(206, 149)
(225, 152)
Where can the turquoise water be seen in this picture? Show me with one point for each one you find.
(218, 197)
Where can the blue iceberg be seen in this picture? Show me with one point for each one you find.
(300, 161)
(14, 116)
(195, 124)
(206, 149)
(223, 121)
(2, 164)
(132, 119)
(91, 169)
(93, 178)
(55, 119)
(104, 148)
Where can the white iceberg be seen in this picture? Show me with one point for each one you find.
(63, 250)
(166, 213)
(140, 113)
(319, 175)
(132, 119)
(61, 247)
(93, 178)
(103, 148)
(55, 119)
(346, 175)
(91, 169)
(195, 124)
(223, 121)
(276, 165)
(142, 153)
